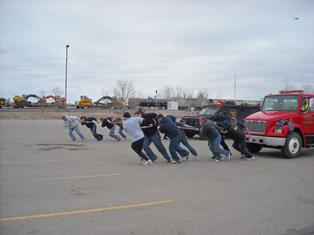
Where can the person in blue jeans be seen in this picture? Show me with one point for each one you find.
(71, 123)
(152, 135)
(184, 139)
(238, 137)
(168, 126)
(89, 122)
(210, 131)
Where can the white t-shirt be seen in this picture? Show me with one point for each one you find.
(132, 127)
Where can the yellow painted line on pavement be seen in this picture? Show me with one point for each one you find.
(77, 177)
(54, 160)
(86, 211)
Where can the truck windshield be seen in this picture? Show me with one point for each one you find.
(208, 111)
(281, 103)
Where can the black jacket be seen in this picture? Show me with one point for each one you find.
(89, 122)
(149, 119)
(107, 122)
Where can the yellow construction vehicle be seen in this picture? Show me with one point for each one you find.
(22, 101)
(84, 102)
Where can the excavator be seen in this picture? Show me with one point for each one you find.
(103, 102)
(22, 101)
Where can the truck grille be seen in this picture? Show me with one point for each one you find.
(258, 127)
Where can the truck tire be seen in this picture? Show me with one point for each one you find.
(293, 145)
(253, 148)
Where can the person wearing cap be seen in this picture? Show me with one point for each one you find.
(89, 122)
(169, 127)
(132, 126)
(152, 135)
(210, 131)
(238, 137)
(71, 123)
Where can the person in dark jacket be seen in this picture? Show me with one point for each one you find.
(168, 126)
(112, 125)
(238, 137)
(183, 138)
(152, 134)
(210, 131)
(89, 122)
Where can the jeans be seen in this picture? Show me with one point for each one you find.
(174, 147)
(186, 143)
(155, 138)
(77, 130)
(112, 132)
(214, 146)
(137, 146)
(241, 147)
(94, 132)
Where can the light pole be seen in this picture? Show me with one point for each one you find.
(66, 74)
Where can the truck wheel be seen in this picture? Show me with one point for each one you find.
(189, 134)
(253, 148)
(293, 145)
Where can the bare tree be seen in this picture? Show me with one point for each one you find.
(124, 89)
(308, 88)
(42, 93)
(202, 96)
(57, 91)
(287, 85)
(167, 92)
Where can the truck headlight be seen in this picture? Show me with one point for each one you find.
(278, 130)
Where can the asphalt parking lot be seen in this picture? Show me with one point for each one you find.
(50, 185)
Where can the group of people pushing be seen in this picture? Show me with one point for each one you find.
(144, 129)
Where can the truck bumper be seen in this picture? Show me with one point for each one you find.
(269, 141)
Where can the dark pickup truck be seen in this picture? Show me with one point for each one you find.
(218, 114)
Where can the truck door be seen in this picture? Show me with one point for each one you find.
(308, 119)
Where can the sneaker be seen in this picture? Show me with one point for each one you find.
(176, 162)
(171, 161)
(249, 158)
(213, 157)
(228, 156)
(118, 138)
(196, 158)
(185, 158)
(147, 163)
(220, 158)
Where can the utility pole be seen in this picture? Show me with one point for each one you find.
(66, 74)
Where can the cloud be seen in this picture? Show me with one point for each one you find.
(155, 44)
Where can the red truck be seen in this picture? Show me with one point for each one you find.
(285, 122)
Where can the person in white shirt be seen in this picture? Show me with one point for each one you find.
(71, 123)
(132, 126)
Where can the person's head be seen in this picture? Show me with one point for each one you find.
(83, 118)
(202, 120)
(126, 115)
(64, 118)
(160, 117)
(138, 113)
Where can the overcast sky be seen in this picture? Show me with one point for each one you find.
(193, 44)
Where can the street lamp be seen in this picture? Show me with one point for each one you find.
(66, 73)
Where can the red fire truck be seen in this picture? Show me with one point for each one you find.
(285, 122)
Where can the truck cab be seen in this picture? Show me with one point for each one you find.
(285, 122)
